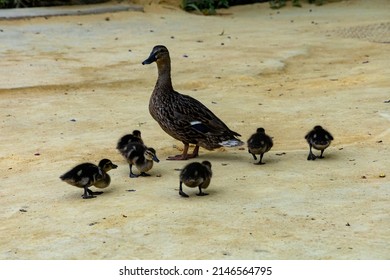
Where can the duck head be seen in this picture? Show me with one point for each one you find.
(107, 165)
(260, 130)
(137, 133)
(158, 52)
(207, 164)
(150, 154)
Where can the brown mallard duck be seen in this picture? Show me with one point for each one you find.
(196, 174)
(259, 143)
(88, 174)
(319, 139)
(183, 117)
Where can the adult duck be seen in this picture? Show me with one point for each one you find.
(183, 117)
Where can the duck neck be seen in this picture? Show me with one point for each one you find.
(164, 74)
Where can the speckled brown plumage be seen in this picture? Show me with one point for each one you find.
(183, 117)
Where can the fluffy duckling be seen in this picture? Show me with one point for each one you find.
(259, 143)
(194, 175)
(134, 137)
(141, 156)
(319, 139)
(86, 175)
(183, 117)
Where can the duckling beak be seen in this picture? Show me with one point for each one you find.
(152, 58)
(155, 158)
(113, 166)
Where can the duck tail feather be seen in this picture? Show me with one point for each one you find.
(232, 143)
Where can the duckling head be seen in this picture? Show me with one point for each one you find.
(260, 130)
(107, 165)
(207, 164)
(158, 52)
(318, 127)
(137, 133)
(150, 154)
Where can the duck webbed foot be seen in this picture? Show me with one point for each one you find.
(97, 193)
(201, 193)
(183, 194)
(143, 174)
(311, 156)
(178, 157)
(260, 161)
(185, 155)
(88, 193)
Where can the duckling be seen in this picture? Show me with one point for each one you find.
(319, 139)
(259, 143)
(88, 174)
(134, 137)
(141, 156)
(183, 117)
(194, 175)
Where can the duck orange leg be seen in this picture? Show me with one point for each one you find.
(185, 155)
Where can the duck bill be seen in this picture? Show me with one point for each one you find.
(149, 60)
(156, 159)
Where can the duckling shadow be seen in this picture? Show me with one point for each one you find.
(225, 156)
(78, 196)
(243, 157)
(192, 194)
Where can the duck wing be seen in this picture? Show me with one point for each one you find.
(191, 115)
(83, 174)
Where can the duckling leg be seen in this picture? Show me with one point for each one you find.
(261, 158)
(201, 193)
(254, 156)
(311, 156)
(321, 156)
(183, 194)
(87, 193)
(132, 175)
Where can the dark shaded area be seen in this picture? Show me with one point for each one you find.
(209, 6)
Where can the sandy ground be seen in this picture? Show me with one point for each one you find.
(71, 86)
